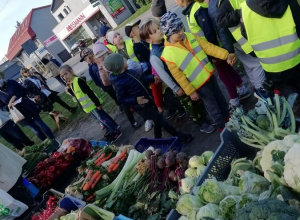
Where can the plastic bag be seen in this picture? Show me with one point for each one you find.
(82, 147)
(9, 207)
(16, 115)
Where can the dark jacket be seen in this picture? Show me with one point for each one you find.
(27, 107)
(158, 8)
(204, 21)
(142, 51)
(224, 34)
(129, 85)
(227, 17)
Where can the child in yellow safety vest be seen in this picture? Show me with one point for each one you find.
(192, 69)
(89, 101)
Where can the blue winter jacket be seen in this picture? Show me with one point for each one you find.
(129, 85)
(27, 107)
(223, 33)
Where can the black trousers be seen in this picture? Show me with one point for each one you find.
(14, 135)
(172, 103)
(53, 97)
(150, 112)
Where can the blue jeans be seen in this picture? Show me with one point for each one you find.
(40, 128)
(105, 119)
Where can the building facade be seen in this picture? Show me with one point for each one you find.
(37, 26)
(79, 19)
(10, 69)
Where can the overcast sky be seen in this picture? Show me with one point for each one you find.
(12, 11)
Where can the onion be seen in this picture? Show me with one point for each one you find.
(158, 152)
(170, 160)
(172, 176)
(148, 154)
(179, 158)
(161, 164)
(183, 155)
(185, 164)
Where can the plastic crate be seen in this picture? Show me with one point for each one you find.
(219, 167)
(165, 144)
(41, 206)
(99, 143)
(70, 203)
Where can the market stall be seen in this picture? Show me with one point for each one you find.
(252, 175)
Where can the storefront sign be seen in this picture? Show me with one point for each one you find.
(42, 50)
(114, 7)
(77, 22)
(50, 41)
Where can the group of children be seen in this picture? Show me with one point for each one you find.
(175, 64)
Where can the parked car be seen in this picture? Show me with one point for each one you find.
(80, 45)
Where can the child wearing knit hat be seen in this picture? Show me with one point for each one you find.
(192, 69)
(132, 91)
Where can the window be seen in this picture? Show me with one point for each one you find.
(67, 7)
(66, 12)
(60, 16)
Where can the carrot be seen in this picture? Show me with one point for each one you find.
(88, 185)
(114, 168)
(89, 173)
(97, 154)
(99, 158)
(123, 153)
(114, 160)
(95, 182)
(90, 197)
(108, 156)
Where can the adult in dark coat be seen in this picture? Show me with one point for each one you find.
(11, 91)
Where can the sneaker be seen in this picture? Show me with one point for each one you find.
(148, 125)
(247, 94)
(136, 125)
(232, 108)
(121, 110)
(107, 134)
(116, 136)
(207, 128)
(183, 115)
(184, 138)
(170, 117)
(263, 94)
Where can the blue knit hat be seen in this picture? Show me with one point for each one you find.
(170, 23)
(103, 30)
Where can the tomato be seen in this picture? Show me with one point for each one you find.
(51, 169)
(56, 154)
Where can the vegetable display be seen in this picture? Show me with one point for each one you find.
(47, 171)
(97, 172)
(51, 207)
(268, 121)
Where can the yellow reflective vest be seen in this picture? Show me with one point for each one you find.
(112, 48)
(129, 49)
(87, 104)
(191, 20)
(236, 31)
(274, 41)
(193, 62)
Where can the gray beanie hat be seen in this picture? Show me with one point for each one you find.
(114, 63)
(170, 23)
